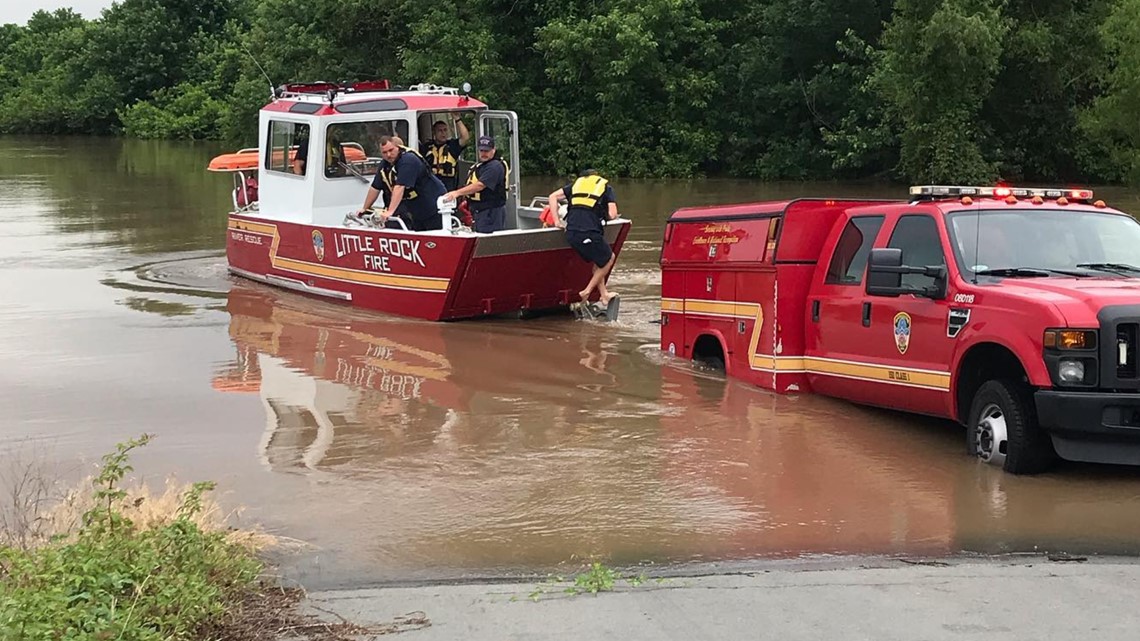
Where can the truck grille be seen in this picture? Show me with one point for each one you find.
(1125, 348)
(1120, 348)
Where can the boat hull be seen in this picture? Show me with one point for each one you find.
(435, 276)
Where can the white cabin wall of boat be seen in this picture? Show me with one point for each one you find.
(285, 196)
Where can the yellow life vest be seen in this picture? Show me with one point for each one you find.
(388, 175)
(441, 161)
(500, 192)
(587, 191)
(333, 154)
(334, 159)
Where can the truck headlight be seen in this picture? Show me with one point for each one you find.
(1071, 371)
(1072, 356)
(1066, 339)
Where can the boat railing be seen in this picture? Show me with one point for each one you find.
(244, 195)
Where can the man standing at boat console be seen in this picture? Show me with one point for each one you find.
(486, 189)
(408, 185)
(442, 153)
(591, 201)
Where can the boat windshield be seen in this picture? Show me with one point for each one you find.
(355, 146)
(1044, 242)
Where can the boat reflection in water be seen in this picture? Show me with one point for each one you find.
(353, 388)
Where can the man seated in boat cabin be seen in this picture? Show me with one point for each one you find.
(410, 189)
(335, 159)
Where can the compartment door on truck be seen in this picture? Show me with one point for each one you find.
(710, 302)
(910, 333)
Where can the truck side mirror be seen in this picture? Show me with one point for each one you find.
(884, 272)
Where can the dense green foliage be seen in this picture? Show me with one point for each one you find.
(113, 580)
(930, 90)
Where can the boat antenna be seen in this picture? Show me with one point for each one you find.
(272, 92)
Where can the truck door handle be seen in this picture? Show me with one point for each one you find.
(815, 311)
(866, 314)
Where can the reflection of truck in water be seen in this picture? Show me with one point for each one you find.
(785, 476)
(1013, 311)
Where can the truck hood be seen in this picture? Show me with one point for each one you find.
(1078, 299)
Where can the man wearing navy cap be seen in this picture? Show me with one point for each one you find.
(486, 189)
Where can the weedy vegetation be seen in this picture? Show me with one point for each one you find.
(115, 562)
(596, 577)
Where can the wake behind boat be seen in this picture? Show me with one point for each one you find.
(295, 198)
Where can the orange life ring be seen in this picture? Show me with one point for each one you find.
(246, 159)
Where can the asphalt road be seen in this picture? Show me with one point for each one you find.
(889, 599)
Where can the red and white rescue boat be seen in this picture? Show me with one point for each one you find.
(293, 229)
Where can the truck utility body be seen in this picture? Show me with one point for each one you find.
(1015, 312)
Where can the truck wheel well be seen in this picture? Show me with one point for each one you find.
(708, 350)
(984, 362)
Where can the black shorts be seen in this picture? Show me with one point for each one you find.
(591, 246)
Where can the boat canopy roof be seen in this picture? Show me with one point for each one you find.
(328, 99)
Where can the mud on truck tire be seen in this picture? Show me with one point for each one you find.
(1028, 449)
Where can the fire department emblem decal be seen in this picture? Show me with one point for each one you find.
(319, 244)
(902, 331)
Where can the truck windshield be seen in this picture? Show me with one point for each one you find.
(1036, 241)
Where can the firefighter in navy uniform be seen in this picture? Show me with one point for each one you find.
(486, 189)
(335, 159)
(590, 201)
(443, 153)
(410, 189)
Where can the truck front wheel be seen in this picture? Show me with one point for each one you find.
(1003, 431)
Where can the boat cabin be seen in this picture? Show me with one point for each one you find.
(319, 148)
(295, 197)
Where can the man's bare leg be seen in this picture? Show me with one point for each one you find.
(598, 280)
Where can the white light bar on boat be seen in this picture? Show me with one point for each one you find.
(425, 87)
(956, 191)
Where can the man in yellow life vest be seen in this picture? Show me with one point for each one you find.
(486, 189)
(335, 160)
(591, 201)
(443, 153)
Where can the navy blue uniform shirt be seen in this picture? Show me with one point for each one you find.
(413, 173)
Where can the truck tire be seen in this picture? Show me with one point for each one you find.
(1007, 406)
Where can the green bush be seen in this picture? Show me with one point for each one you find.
(114, 581)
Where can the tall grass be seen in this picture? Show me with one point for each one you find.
(112, 563)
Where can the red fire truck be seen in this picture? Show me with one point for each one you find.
(1013, 311)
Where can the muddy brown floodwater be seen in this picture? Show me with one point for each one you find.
(407, 450)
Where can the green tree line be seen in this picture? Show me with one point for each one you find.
(918, 90)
